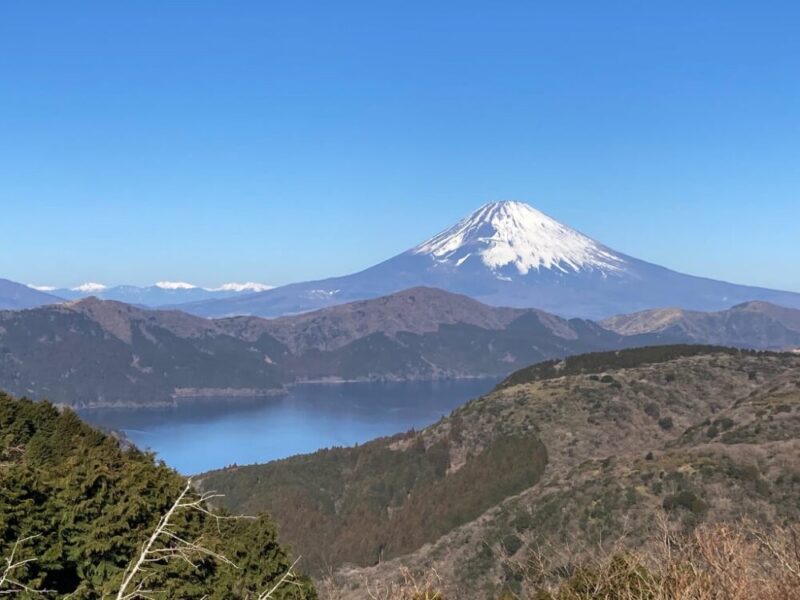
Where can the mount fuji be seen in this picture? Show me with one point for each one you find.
(510, 254)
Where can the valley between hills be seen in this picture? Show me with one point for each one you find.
(565, 477)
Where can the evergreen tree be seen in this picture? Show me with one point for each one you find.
(85, 503)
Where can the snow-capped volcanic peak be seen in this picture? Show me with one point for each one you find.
(90, 288)
(174, 285)
(515, 234)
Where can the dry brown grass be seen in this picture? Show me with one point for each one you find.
(714, 562)
(409, 586)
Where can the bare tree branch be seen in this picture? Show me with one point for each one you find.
(8, 585)
(288, 576)
(164, 544)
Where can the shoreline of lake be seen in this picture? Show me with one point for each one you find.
(209, 433)
(184, 396)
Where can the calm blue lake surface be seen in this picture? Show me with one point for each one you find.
(210, 433)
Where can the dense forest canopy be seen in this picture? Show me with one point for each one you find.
(80, 505)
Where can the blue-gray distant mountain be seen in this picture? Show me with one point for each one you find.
(16, 296)
(159, 294)
(510, 254)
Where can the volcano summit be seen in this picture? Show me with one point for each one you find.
(510, 254)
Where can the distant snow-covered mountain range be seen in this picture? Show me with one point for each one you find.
(510, 254)
(159, 294)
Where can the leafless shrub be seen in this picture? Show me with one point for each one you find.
(714, 562)
(411, 587)
(408, 586)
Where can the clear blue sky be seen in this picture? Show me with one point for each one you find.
(281, 141)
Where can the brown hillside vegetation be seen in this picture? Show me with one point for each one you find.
(698, 436)
(713, 562)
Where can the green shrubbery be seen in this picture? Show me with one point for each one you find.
(686, 500)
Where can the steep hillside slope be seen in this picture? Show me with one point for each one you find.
(627, 436)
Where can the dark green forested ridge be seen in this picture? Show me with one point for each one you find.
(597, 362)
(334, 503)
(84, 506)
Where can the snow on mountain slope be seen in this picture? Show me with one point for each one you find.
(249, 286)
(89, 288)
(500, 234)
(159, 294)
(175, 285)
(510, 254)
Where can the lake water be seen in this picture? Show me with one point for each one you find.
(210, 433)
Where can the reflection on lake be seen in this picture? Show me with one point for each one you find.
(209, 433)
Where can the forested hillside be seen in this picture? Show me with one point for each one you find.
(77, 506)
(96, 353)
(103, 353)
